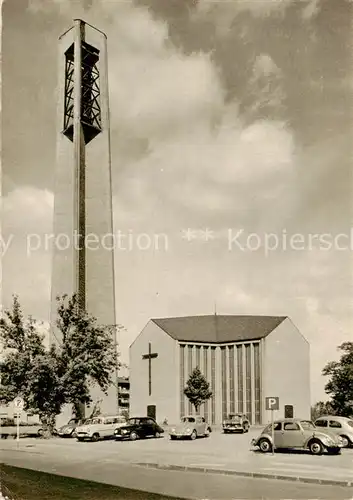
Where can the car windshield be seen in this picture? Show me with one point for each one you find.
(234, 417)
(188, 419)
(133, 421)
(92, 421)
(307, 425)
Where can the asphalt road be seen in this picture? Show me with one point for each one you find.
(112, 463)
(181, 484)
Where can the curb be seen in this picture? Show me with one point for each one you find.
(255, 475)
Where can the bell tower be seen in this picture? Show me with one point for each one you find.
(83, 253)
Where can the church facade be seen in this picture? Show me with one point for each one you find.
(244, 358)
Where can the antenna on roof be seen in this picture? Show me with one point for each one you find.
(215, 319)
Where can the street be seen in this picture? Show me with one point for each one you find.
(114, 462)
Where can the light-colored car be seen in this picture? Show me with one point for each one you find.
(295, 433)
(236, 422)
(69, 429)
(101, 427)
(342, 426)
(190, 427)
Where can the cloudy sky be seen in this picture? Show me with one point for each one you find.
(226, 116)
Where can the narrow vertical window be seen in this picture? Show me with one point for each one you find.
(231, 378)
(240, 378)
(257, 383)
(248, 382)
(224, 382)
(182, 380)
(213, 384)
(206, 374)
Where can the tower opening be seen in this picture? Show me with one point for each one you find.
(90, 114)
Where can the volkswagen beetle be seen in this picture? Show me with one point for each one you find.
(190, 427)
(295, 433)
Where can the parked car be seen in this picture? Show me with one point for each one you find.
(138, 428)
(236, 422)
(101, 427)
(68, 430)
(190, 427)
(342, 426)
(294, 433)
(8, 428)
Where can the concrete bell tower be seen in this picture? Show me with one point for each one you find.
(83, 255)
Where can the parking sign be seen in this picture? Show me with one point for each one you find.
(272, 403)
(18, 403)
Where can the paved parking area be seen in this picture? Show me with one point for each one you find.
(219, 451)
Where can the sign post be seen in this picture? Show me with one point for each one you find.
(18, 405)
(272, 403)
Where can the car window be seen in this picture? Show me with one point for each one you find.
(188, 419)
(335, 424)
(321, 423)
(149, 421)
(277, 426)
(291, 426)
(132, 421)
(307, 425)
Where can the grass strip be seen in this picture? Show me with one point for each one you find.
(26, 484)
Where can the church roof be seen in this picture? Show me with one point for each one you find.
(217, 329)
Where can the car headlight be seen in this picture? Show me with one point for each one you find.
(124, 431)
(173, 429)
(328, 441)
(88, 429)
(188, 429)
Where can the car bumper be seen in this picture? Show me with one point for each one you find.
(82, 435)
(180, 434)
(233, 428)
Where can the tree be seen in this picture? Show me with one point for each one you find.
(197, 389)
(27, 368)
(340, 384)
(63, 374)
(88, 354)
(321, 408)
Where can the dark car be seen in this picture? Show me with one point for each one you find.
(137, 428)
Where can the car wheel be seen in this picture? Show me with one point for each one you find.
(345, 441)
(173, 438)
(157, 435)
(133, 436)
(334, 451)
(95, 437)
(316, 448)
(207, 433)
(193, 435)
(80, 439)
(265, 445)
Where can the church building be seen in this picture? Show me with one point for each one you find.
(244, 358)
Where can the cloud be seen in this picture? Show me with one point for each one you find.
(311, 9)
(222, 14)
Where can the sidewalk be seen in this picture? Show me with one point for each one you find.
(290, 467)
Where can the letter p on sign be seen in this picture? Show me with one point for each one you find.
(272, 403)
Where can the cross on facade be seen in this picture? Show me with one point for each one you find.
(151, 355)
